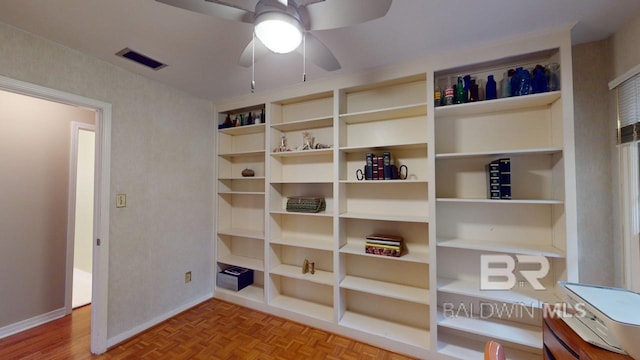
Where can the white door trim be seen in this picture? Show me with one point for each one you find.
(71, 209)
(101, 197)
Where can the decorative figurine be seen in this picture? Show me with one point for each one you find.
(283, 144)
(307, 141)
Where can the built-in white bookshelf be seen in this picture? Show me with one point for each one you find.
(240, 225)
(533, 131)
(313, 142)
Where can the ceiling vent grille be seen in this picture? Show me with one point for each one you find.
(141, 59)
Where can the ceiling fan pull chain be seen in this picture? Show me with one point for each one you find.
(253, 63)
(304, 57)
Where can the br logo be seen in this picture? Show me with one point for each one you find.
(497, 272)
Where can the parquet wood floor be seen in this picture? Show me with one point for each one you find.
(212, 330)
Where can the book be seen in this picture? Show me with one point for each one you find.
(384, 237)
(386, 157)
(380, 168)
(493, 179)
(368, 168)
(375, 250)
(375, 168)
(505, 178)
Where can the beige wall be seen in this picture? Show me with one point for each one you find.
(161, 157)
(34, 158)
(625, 55)
(83, 238)
(595, 65)
(625, 49)
(595, 145)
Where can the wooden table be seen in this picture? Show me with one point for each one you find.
(562, 343)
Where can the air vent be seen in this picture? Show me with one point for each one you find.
(141, 59)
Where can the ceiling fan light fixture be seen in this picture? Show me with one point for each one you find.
(279, 32)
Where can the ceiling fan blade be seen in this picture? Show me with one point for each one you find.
(319, 53)
(331, 14)
(216, 8)
(246, 56)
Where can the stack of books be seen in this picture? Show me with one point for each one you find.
(380, 167)
(499, 179)
(387, 245)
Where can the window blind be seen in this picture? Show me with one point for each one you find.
(629, 110)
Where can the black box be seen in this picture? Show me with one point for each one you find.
(235, 278)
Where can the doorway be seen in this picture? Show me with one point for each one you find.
(100, 238)
(81, 193)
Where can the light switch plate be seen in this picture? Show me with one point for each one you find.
(121, 200)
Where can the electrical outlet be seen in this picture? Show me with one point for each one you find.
(121, 200)
(187, 277)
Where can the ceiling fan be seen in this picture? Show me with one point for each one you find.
(285, 25)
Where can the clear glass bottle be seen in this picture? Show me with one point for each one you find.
(448, 93)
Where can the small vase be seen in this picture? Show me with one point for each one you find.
(505, 86)
(248, 172)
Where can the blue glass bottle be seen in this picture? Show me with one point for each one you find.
(525, 82)
(491, 91)
(539, 83)
(467, 87)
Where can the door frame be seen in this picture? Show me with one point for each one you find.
(101, 197)
(71, 209)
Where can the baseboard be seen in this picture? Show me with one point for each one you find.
(32, 322)
(115, 340)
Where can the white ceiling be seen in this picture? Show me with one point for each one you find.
(202, 51)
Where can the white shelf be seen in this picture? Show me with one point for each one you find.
(395, 112)
(243, 130)
(299, 153)
(511, 331)
(253, 234)
(385, 217)
(241, 192)
(503, 247)
(397, 181)
(386, 289)
(314, 123)
(395, 331)
(399, 146)
(242, 178)
(302, 182)
(242, 153)
(242, 261)
(251, 292)
(417, 254)
(284, 212)
(315, 310)
(515, 296)
(305, 242)
(497, 105)
(499, 153)
(464, 348)
(295, 272)
(496, 201)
